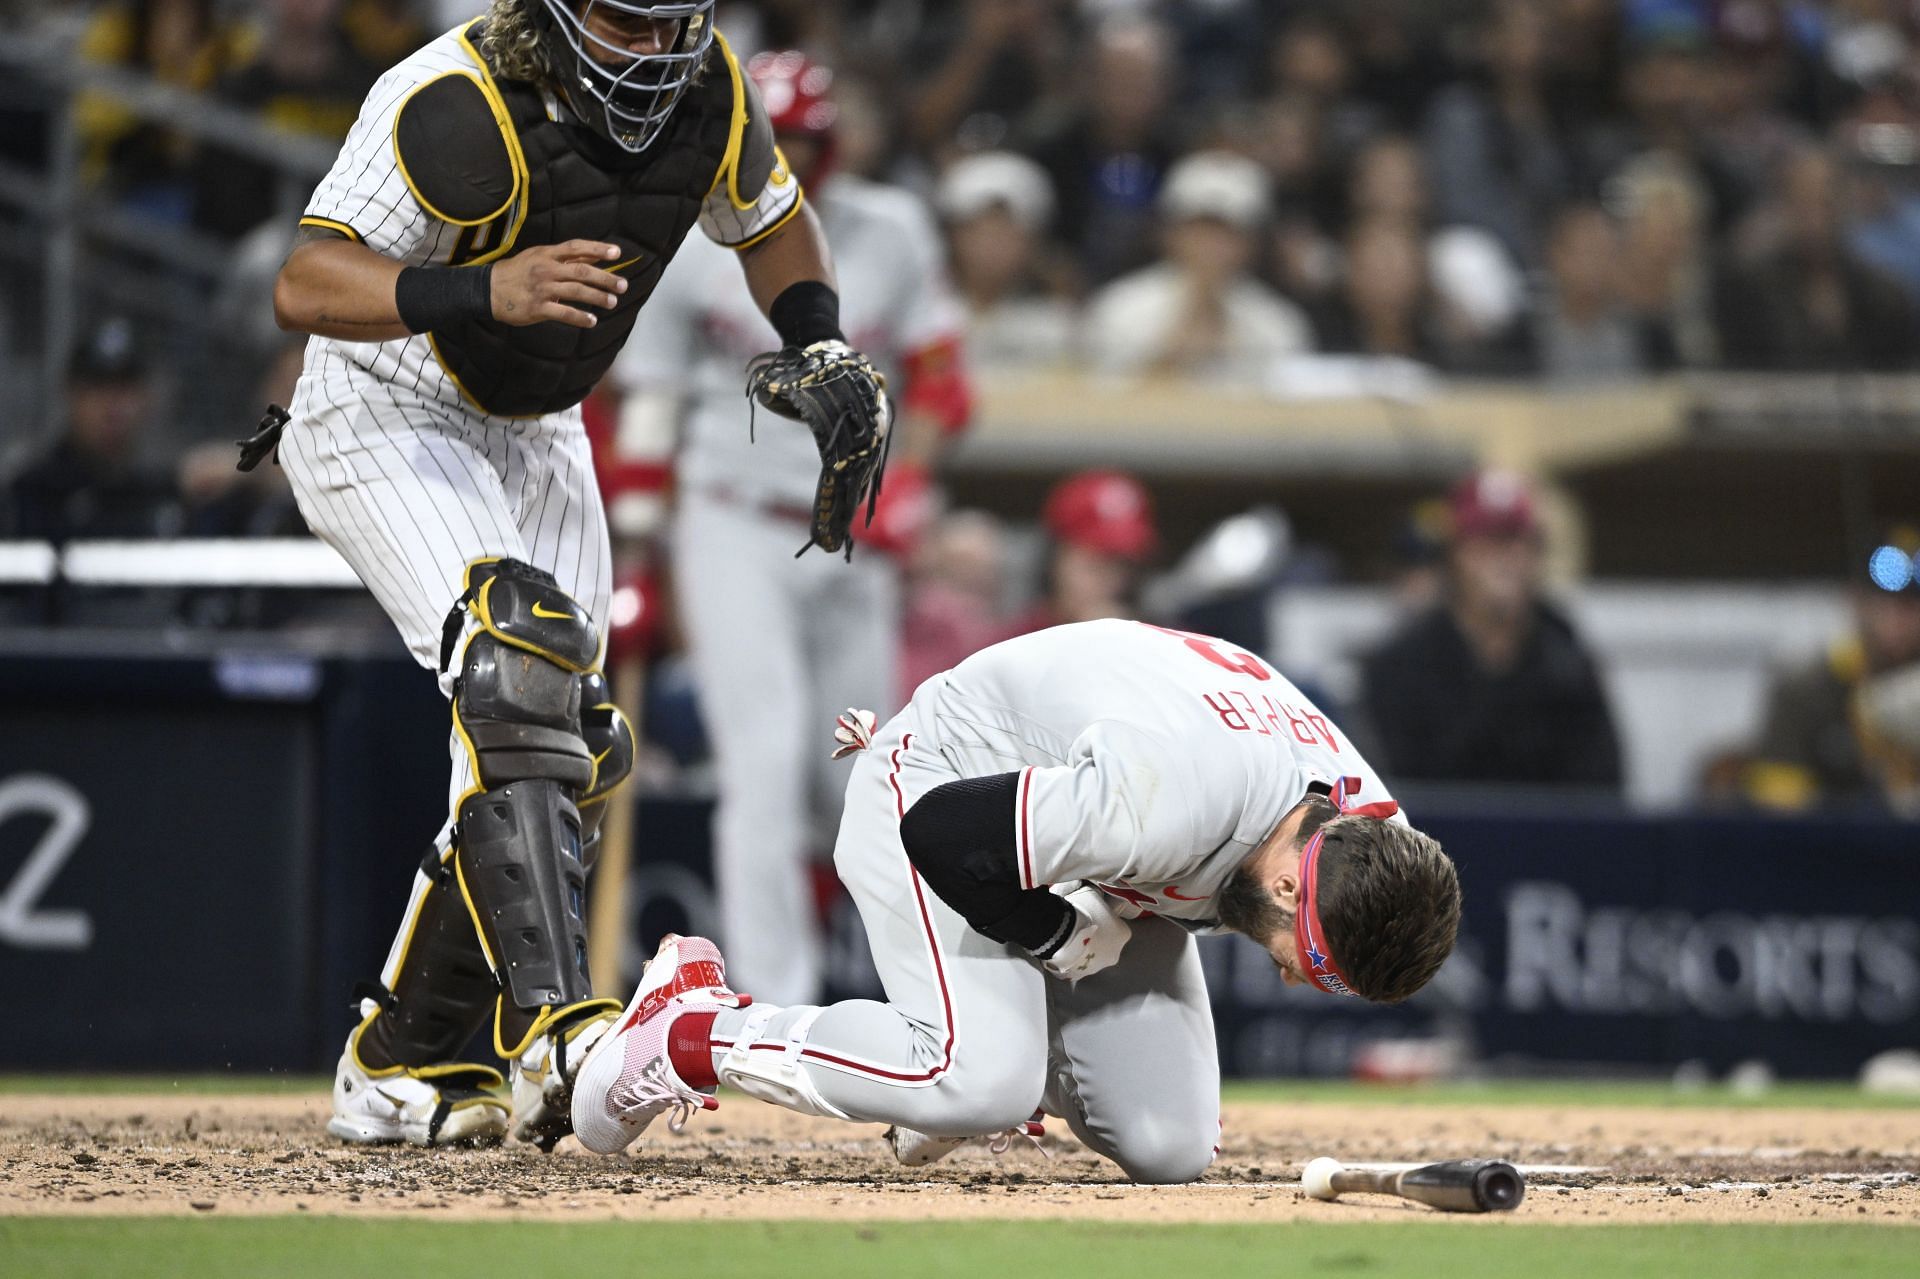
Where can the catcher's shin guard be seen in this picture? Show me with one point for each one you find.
(522, 645)
(437, 988)
(610, 741)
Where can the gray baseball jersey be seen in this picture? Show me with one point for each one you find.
(1151, 762)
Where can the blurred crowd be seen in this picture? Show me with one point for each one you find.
(1261, 195)
(1254, 192)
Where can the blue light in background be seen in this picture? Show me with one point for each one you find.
(1890, 568)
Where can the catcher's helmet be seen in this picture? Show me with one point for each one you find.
(798, 94)
(620, 94)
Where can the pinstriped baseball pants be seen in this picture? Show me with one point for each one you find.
(411, 491)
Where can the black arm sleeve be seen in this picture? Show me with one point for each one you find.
(960, 837)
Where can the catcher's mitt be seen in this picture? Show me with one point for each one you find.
(843, 400)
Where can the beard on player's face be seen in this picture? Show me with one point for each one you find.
(1247, 906)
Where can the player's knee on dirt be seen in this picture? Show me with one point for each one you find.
(523, 645)
(610, 743)
(1159, 1150)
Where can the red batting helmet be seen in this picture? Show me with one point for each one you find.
(798, 93)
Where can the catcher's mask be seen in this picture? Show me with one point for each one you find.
(624, 95)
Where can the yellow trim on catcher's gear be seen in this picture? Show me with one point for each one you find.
(467, 395)
(522, 178)
(521, 182)
(400, 159)
(594, 781)
(473, 912)
(484, 612)
(544, 1022)
(799, 201)
(330, 224)
(353, 1051)
(736, 134)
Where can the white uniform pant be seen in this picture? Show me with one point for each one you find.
(974, 1034)
(410, 492)
(779, 646)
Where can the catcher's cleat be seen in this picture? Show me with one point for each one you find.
(544, 1075)
(916, 1149)
(451, 1104)
(628, 1079)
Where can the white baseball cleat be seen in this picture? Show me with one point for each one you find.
(445, 1105)
(628, 1079)
(915, 1149)
(544, 1075)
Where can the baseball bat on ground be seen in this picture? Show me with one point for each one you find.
(1456, 1185)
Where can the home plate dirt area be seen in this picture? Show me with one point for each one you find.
(134, 1153)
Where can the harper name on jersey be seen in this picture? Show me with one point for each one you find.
(1153, 762)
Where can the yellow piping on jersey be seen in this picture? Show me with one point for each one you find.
(400, 158)
(785, 218)
(736, 135)
(328, 224)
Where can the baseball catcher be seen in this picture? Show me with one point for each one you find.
(469, 269)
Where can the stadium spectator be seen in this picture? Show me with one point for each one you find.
(977, 68)
(1478, 290)
(1492, 685)
(954, 598)
(1108, 156)
(307, 77)
(997, 207)
(1385, 306)
(1498, 158)
(1200, 312)
(220, 500)
(1310, 56)
(1812, 746)
(1582, 329)
(382, 32)
(184, 44)
(1882, 183)
(1101, 533)
(1666, 269)
(94, 481)
(1801, 298)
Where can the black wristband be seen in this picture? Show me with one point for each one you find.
(806, 313)
(432, 297)
(1069, 921)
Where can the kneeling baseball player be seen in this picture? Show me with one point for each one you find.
(1032, 844)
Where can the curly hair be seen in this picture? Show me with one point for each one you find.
(511, 42)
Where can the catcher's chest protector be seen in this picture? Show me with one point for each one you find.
(579, 188)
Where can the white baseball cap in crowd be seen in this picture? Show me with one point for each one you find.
(997, 179)
(1217, 184)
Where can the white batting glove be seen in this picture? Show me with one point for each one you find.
(853, 729)
(1098, 936)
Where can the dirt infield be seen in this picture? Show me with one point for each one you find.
(169, 1154)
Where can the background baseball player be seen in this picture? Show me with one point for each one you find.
(778, 646)
(469, 269)
(1031, 843)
